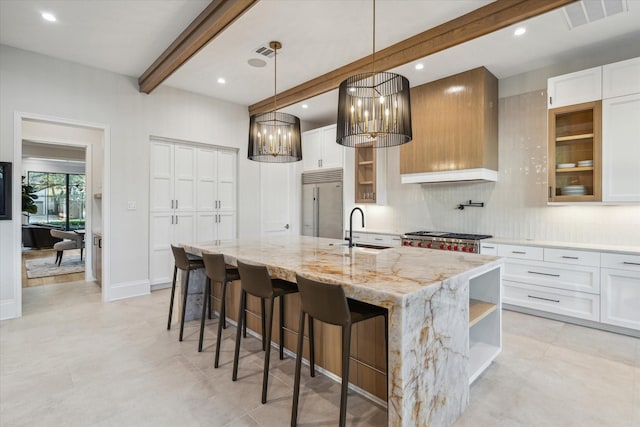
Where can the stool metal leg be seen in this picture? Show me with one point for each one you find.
(236, 355)
(263, 321)
(244, 317)
(281, 329)
(312, 349)
(207, 297)
(222, 322)
(173, 293)
(184, 305)
(346, 349)
(296, 382)
(265, 373)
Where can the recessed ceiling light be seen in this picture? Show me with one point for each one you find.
(221, 81)
(305, 106)
(47, 16)
(419, 66)
(519, 31)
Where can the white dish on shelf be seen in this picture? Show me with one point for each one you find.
(573, 190)
(565, 165)
(585, 163)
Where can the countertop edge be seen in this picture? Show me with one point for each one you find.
(627, 250)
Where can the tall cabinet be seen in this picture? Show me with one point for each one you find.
(192, 197)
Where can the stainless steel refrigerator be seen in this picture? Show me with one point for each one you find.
(322, 204)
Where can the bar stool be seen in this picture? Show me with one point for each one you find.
(327, 303)
(255, 280)
(217, 272)
(184, 263)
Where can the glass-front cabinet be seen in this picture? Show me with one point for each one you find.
(575, 140)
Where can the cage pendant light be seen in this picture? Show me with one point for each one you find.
(374, 109)
(274, 137)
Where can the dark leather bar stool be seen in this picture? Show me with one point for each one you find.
(217, 272)
(255, 280)
(327, 303)
(184, 263)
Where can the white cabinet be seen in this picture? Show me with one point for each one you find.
(575, 88)
(192, 197)
(376, 239)
(621, 149)
(620, 290)
(621, 78)
(320, 150)
(489, 249)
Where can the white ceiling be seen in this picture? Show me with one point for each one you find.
(125, 36)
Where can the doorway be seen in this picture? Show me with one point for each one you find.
(64, 163)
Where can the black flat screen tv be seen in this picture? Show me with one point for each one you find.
(5, 191)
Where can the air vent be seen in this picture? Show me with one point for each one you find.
(586, 11)
(327, 175)
(265, 50)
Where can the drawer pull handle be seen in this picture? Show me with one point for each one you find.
(631, 263)
(377, 238)
(518, 252)
(545, 299)
(489, 247)
(570, 257)
(543, 274)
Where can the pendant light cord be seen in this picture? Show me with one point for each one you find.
(275, 75)
(373, 56)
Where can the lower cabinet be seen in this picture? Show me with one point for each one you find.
(620, 290)
(599, 287)
(375, 239)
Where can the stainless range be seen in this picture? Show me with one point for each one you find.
(445, 241)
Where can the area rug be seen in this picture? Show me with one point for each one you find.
(44, 267)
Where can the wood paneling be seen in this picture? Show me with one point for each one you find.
(211, 22)
(455, 124)
(482, 21)
(368, 365)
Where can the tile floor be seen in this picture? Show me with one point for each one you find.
(73, 361)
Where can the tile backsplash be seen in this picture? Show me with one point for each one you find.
(515, 206)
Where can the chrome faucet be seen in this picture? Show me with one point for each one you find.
(351, 224)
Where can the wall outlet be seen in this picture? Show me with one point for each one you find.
(131, 205)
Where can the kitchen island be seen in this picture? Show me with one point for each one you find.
(433, 351)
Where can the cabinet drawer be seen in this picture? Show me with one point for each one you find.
(489, 249)
(621, 261)
(521, 252)
(574, 304)
(569, 277)
(568, 256)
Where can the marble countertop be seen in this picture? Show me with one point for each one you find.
(373, 275)
(632, 250)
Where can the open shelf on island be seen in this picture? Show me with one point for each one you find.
(478, 310)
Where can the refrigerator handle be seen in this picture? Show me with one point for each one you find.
(316, 211)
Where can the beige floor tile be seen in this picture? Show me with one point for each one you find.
(75, 361)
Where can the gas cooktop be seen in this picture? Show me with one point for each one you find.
(445, 235)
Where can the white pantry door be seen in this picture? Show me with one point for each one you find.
(276, 195)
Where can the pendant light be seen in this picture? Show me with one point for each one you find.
(374, 109)
(274, 137)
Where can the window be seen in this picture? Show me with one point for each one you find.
(61, 199)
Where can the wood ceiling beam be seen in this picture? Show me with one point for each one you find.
(217, 16)
(487, 19)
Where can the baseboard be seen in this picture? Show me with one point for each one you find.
(8, 309)
(158, 286)
(128, 290)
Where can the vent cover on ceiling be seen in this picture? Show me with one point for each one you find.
(586, 11)
(265, 50)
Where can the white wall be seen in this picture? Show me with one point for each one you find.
(43, 85)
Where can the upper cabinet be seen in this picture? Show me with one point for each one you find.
(621, 78)
(455, 130)
(595, 114)
(574, 153)
(575, 88)
(320, 150)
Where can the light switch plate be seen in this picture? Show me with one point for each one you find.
(131, 205)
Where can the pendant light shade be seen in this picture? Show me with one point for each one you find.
(274, 137)
(374, 109)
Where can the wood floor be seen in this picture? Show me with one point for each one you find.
(40, 281)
